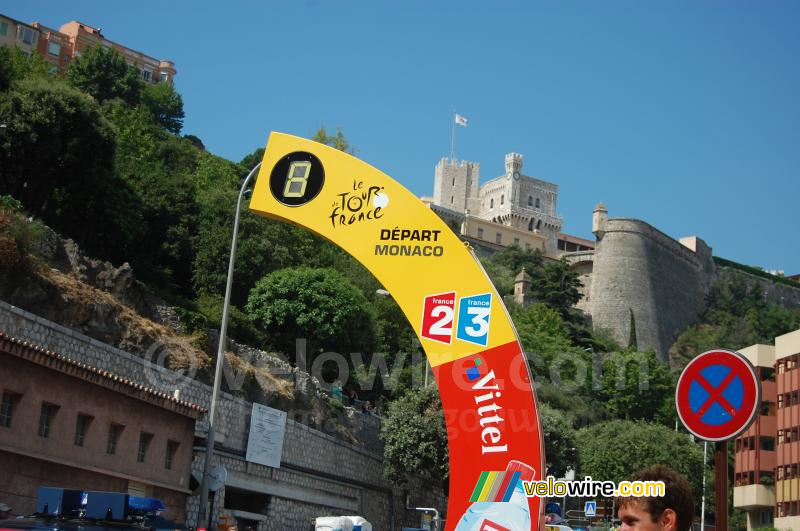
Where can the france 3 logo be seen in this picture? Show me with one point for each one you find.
(439, 318)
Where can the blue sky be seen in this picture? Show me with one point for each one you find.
(683, 114)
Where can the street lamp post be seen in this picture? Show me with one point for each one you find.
(204, 513)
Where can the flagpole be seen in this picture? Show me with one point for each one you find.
(453, 137)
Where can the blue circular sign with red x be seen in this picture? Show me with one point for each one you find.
(718, 395)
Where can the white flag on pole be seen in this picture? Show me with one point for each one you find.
(460, 120)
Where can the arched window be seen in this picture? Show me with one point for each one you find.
(491, 203)
(502, 199)
(538, 204)
(530, 225)
(451, 199)
(530, 201)
(539, 224)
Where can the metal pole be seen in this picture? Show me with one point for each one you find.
(453, 138)
(203, 514)
(721, 484)
(703, 504)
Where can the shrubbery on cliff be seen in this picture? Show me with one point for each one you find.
(737, 316)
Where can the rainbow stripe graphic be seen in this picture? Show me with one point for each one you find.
(495, 486)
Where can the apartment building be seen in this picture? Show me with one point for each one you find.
(767, 455)
(754, 465)
(60, 47)
(14, 32)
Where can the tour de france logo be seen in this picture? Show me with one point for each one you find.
(362, 202)
(296, 178)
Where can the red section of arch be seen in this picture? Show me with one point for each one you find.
(491, 419)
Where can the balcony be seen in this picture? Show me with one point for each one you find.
(751, 460)
(751, 497)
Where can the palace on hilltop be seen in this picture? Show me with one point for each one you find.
(511, 209)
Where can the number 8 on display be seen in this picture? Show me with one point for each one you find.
(297, 179)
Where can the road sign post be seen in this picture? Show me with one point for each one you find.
(717, 397)
(721, 484)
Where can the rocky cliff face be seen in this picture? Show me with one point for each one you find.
(107, 303)
(89, 295)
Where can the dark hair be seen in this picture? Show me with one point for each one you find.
(677, 496)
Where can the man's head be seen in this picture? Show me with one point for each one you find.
(672, 512)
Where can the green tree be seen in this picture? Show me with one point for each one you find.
(415, 438)
(393, 333)
(515, 259)
(556, 285)
(543, 333)
(161, 170)
(637, 386)
(57, 157)
(737, 315)
(18, 238)
(104, 74)
(337, 141)
(503, 266)
(165, 104)
(249, 161)
(612, 451)
(560, 442)
(633, 344)
(319, 305)
(15, 65)
(196, 141)
(264, 245)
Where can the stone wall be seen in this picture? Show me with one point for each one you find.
(319, 474)
(640, 269)
(582, 263)
(774, 292)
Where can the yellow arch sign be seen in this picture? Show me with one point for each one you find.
(490, 408)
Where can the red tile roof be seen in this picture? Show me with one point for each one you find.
(62, 363)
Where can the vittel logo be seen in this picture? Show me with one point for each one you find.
(487, 394)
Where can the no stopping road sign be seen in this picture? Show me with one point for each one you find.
(718, 395)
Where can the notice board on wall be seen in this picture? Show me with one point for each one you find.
(267, 431)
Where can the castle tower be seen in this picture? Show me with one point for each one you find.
(513, 164)
(599, 217)
(456, 185)
(513, 174)
(521, 284)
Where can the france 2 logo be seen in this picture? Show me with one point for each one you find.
(438, 314)
(438, 318)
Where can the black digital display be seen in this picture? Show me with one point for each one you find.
(296, 178)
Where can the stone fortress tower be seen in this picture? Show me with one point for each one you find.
(455, 185)
(512, 200)
(637, 269)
